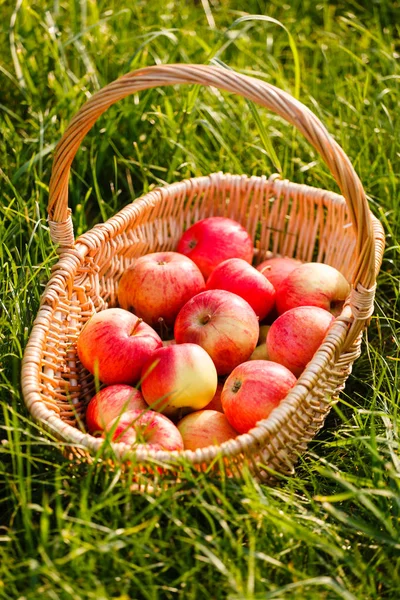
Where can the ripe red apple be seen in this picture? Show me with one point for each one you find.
(149, 430)
(213, 240)
(296, 335)
(313, 284)
(158, 285)
(215, 403)
(205, 428)
(223, 324)
(110, 403)
(179, 377)
(276, 269)
(237, 276)
(253, 390)
(114, 344)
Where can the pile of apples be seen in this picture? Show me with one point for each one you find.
(204, 345)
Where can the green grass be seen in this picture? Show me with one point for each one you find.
(69, 532)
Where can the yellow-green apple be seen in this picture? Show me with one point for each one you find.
(262, 337)
(158, 285)
(114, 344)
(276, 269)
(215, 403)
(111, 402)
(179, 378)
(253, 390)
(296, 335)
(313, 284)
(150, 430)
(205, 428)
(213, 240)
(223, 324)
(237, 276)
(260, 352)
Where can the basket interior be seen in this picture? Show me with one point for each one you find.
(283, 219)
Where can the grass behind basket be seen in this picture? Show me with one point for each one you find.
(331, 531)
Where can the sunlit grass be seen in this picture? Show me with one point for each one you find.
(73, 531)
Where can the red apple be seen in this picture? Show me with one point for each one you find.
(296, 335)
(213, 240)
(237, 276)
(149, 430)
(223, 324)
(110, 403)
(179, 377)
(276, 269)
(313, 284)
(215, 403)
(158, 285)
(253, 390)
(205, 428)
(114, 344)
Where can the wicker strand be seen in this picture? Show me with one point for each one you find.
(62, 233)
(362, 302)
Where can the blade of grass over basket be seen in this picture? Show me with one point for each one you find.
(265, 138)
(292, 44)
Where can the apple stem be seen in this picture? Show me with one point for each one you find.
(163, 329)
(266, 268)
(236, 386)
(136, 325)
(206, 319)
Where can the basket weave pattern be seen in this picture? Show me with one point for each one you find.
(283, 218)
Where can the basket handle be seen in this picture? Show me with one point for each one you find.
(258, 91)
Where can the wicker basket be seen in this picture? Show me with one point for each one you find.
(284, 218)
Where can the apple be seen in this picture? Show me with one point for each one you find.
(296, 335)
(157, 286)
(114, 344)
(276, 269)
(260, 353)
(223, 324)
(253, 390)
(177, 378)
(237, 276)
(150, 430)
(262, 337)
(205, 428)
(111, 402)
(215, 403)
(313, 284)
(213, 240)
